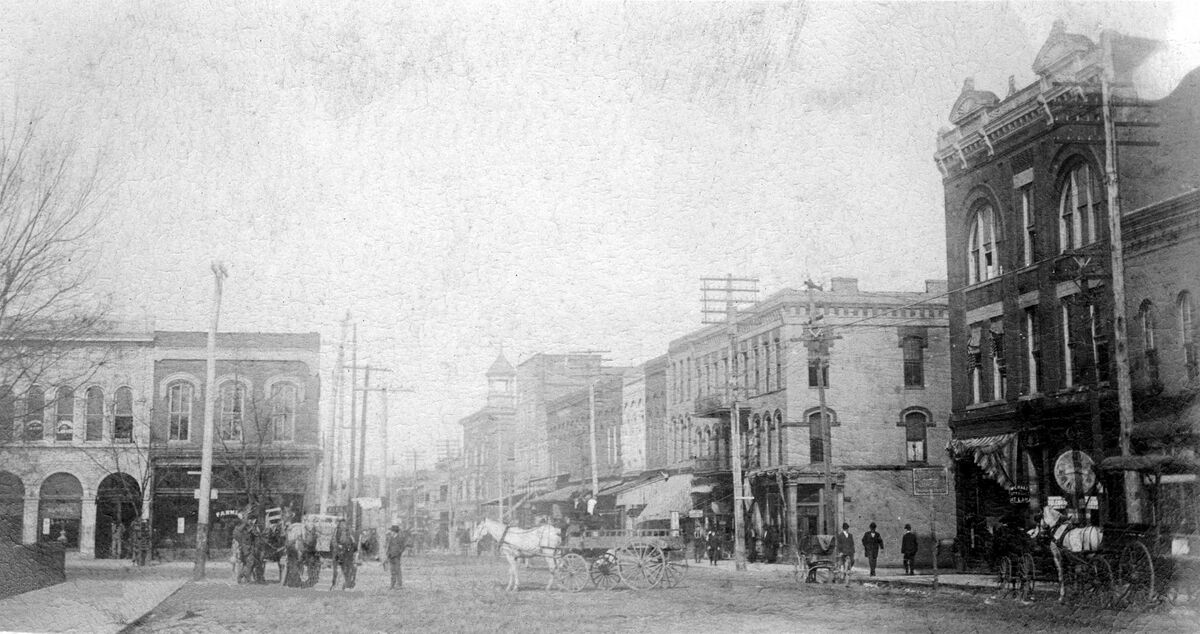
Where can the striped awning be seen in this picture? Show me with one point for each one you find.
(995, 455)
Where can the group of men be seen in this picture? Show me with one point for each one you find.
(872, 543)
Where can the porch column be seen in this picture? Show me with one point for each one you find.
(793, 526)
(87, 529)
(29, 524)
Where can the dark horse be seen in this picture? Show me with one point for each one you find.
(344, 548)
(270, 546)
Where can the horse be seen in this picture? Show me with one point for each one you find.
(344, 548)
(1065, 537)
(300, 547)
(271, 545)
(519, 543)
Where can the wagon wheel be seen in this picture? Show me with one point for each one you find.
(1135, 569)
(1103, 582)
(605, 572)
(674, 569)
(641, 565)
(571, 572)
(1027, 576)
(1004, 575)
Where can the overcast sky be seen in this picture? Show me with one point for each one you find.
(538, 176)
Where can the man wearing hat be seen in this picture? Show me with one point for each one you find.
(396, 543)
(908, 548)
(872, 544)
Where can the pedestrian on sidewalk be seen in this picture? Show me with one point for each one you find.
(698, 541)
(397, 542)
(714, 547)
(908, 548)
(872, 544)
(845, 550)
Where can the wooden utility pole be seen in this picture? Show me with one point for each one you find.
(360, 474)
(333, 436)
(386, 487)
(1133, 496)
(352, 490)
(211, 403)
(818, 340)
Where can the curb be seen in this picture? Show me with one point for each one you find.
(142, 617)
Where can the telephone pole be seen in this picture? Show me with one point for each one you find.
(359, 476)
(386, 487)
(210, 405)
(333, 436)
(819, 340)
(352, 490)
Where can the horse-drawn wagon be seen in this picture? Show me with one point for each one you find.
(637, 559)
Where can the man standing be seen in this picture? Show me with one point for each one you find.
(872, 544)
(845, 550)
(908, 548)
(396, 543)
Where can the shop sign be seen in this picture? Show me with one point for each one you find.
(696, 514)
(1018, 494)
(930, 481)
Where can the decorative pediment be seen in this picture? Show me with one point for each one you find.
(971, 101)
(1059, 48)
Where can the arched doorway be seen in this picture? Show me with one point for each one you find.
(12, 507)
(118, 503)
(60, 509)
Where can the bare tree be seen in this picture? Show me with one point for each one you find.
(49, 210)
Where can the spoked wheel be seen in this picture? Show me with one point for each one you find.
(821, 572)
(1026, 576)
(641, 565)
(675, 568)
(1135, 573)
(571, 572)
(799, 569)
(1004, 575)
(605, 572)
(1102, 583)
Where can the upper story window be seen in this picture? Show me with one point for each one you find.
(284, 398)
(1148, 319)
(914, 361)
(123, 415)
(983, 249)
(233, 403)
(816, 441)
(1033, 352)
(180, 396)
(35, 409)
(1029, 220)
(93, 425)
(8, 415)
(916, 426)
(64, 428)
(1077, 208)
(975, 362)
(1187, 335)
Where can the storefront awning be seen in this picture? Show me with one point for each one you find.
(558, 496)
(659, 497)
(1167, 424)
(995, 455)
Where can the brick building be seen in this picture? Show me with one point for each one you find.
(1028, 253)
(887, 401)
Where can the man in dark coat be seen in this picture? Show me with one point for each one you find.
(344, 549)
(872, 544)
(908, 548)
(397, 541)
(845, 550)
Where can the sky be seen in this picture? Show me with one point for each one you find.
(530, 177)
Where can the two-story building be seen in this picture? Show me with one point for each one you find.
(266, 432)
(1030, 191)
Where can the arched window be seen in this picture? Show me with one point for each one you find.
(916, 425)
(233, 403)
(64, 406)
(180, 396)
(816, 443)
(8, 415)
(1077, 204)
(983, 249)
(284, 399)
(1187, 334)
(35, 411)
(1148, 319)
(94, 414)
(123, 415)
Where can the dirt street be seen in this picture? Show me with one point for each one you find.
(444, 593)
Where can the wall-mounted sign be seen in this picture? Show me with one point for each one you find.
(930, 481)
(212, 494)
(696, 513)
(1018, 494)
(45, 526)
(180, 523)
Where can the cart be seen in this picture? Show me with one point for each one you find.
(638, 559)
(1159, 564)
(816, 561)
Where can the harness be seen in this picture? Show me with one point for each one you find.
(500, 542)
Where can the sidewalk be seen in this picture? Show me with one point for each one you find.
(98, 596)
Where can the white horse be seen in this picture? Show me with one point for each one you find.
(519, 543)
(1063, 536)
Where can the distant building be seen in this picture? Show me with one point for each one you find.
(487, 459)
(1033, 319)
(887, 399)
